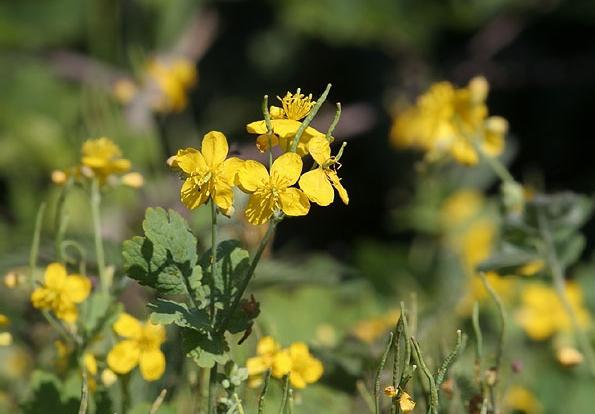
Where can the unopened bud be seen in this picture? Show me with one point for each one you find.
(390, 391)
(133, 179)
(569, 356)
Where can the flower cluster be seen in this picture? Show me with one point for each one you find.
(542, 313)
(141, 346)
(165, 83)
(450, 122)
(209, 175)
(101, 159)
(61, 292)
(295, 361)
(406, 403)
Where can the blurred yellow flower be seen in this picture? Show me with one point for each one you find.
(369, 330)
(4, 320)
(297, 362)
(266, 349)
(133, 180)
(451, 122)
(406, 403)
(142, 346)
(173, 79)
(104, 158)
(209, 173)
(61, 292)
(124, 90)
(569, 356)
(390, 391)
(285, 121)
(271, 193)
(318, 183)
(108, 377)
(521, 399)
(542, 314)
(5, 337)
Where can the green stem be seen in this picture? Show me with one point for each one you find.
(494, 163)
(248, 276)
(398, 333)
(449, 360)
(60, 219)
(331, 129)
(502, 316)
(309, 118)
(263, 392)
(99, 253)
(290, 403)
(211, 406)
(267, 121)
(124, 393)
(389, 345)
(363, 391)
(158, 401)
(285, 395)
(478, 342)
(213, 254)
(84, 388)
(557, 273)
(34, 254)
(419, 359)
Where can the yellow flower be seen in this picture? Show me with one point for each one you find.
(542, 314)
(5, 339)
(104, 158)
(271, 193)
(451, 122)
(286, 122)
(521, 399)
(133, 180)
(569, 356)
(61, 292)
(318, 184)
(370, 329)
(142, 346)
(530, 268)
(124, 90)
(406, 403)
(4, 320)
(208, 173)
(297, 362)
(266, 349)
(173, 79)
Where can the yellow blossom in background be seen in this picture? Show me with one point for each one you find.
(266, 349)
(108, 377)
(271, 193)
(318, 183)
(124, 90)
(569, 356)
(297, 362)
(141, 346)
(5, 338)
(4, 321)
(60, 292)
(370, 329)
(104, 158)
(285, 121)
(172, 78)
(209, 173)
(406, 403)
(133, 180)
(542, 314)
(451, 122)
(521, 399)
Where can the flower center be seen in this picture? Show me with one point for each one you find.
(297, 106)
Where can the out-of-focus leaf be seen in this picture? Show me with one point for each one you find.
(166, 312)
(47, 396)
(205, 349)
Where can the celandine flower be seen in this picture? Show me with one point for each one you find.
(266, 349)
(542, 314)
(318, 184)
(208, 173)
(173, 79)
(61, 292)
(271, 193)
(285, 121)
(451, 122)
(142, 347)
(297, 362)
(104, 158)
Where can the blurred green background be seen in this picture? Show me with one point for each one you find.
(59, 60)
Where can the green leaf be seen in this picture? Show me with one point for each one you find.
(205, 349)
(570, 250)
(507, 262)
(166, 312)
(47, 396)
(166, 258)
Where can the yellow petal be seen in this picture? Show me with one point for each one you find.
(4, 320)
(55, 275)
(127, 326)
(464, 153)
(123, 357)
(66, 311)
(297, 381)
(257, 127)
(495, 131)
(281, 364)
(40, 298)
(264, 142)
(152, 364)
(285, 128)
(258, 365)
(214, 148)
(192, 195)
(260, 208)
(312, 371)
(77, 288)
(317, 187)
(286, 170)
(406, 402)
(230, 169)
(120, 166)
(154, 333)
(294, 202)
(90, 363)
(319, 149)
(267, 346)
(336, 181)
(223, 196)
(191, 161)
(252, 175)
